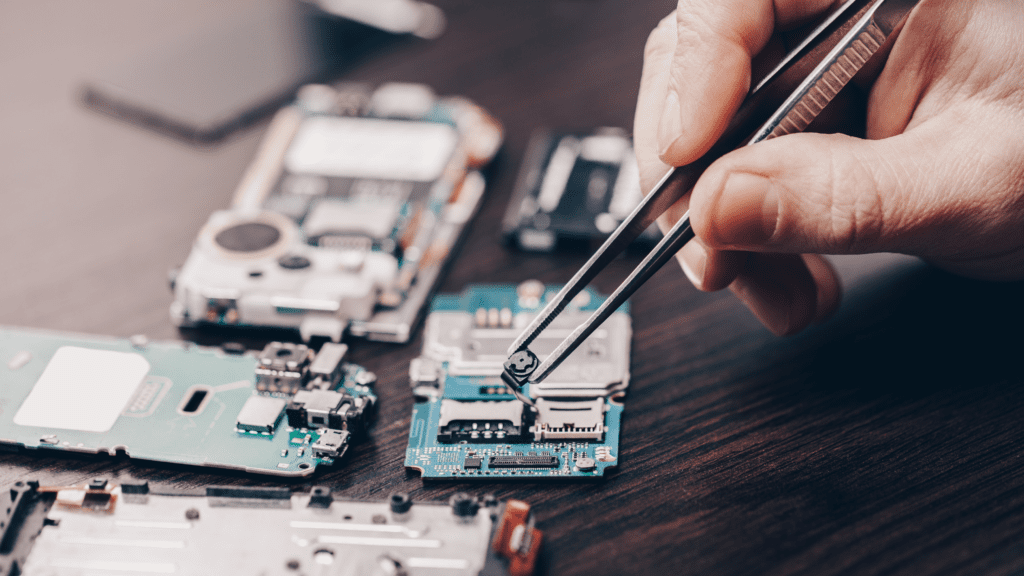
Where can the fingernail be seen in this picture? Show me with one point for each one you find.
(670, 128)
(746, 212)
(694, 259)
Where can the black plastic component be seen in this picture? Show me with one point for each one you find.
(135, 487)
(400, 503)
(268, 493)
(472, 463)
(293, 262)
(233, 348)
(320, 497)
(22, 515)
(98, 484)
(464, 505)
(520, 461)
(296, 415)
(519, 367)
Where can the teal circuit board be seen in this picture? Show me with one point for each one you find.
(467, 425)
(283, 411)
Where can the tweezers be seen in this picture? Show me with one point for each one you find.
(786, 101)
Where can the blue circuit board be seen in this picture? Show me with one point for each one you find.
(87, 394)
(467, 425)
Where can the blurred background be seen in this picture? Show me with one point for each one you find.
(100, 209)
(886, 441)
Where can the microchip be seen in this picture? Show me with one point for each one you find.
(472, 463)
(260, 414)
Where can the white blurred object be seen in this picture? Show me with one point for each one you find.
(397, 16)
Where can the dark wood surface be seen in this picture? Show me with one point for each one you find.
(887, 441)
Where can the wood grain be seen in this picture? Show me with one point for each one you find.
(887, 441)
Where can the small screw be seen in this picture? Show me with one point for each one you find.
(400, 503)
(192, 514)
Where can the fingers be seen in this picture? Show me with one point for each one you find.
(709, 269)
(922, 192)
(812, 193)
(780, 290)
(697, 65)
(829, 289)
(709, 72)
(658, 54)
(711, 67)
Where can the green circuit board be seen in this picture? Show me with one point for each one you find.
(467, 425)
(170, 402)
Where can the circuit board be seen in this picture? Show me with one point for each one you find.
(179, 403)
(345, 219)
(467, 425)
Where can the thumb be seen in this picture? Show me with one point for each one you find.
(824, 194)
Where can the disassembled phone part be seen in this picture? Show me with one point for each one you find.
(104, 528)
(346, 218)
(574, 188)
(466, 422)
(284, 411)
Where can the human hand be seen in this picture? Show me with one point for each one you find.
(940, 175)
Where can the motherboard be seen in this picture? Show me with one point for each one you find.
(466, 424)
(346, 218)
(284, 411)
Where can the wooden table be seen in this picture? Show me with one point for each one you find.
(887, 441)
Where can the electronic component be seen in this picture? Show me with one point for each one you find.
(346, 217)
(574, 188)
(467, 423)
(282, 366)
(569, 419)
(329, 409)
(331, 444)
(519, 460)
(479, 421)
(260, 414)
(57, 530)
(179, 403)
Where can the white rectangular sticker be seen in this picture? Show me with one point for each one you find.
(83, 389)
(371, 148)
